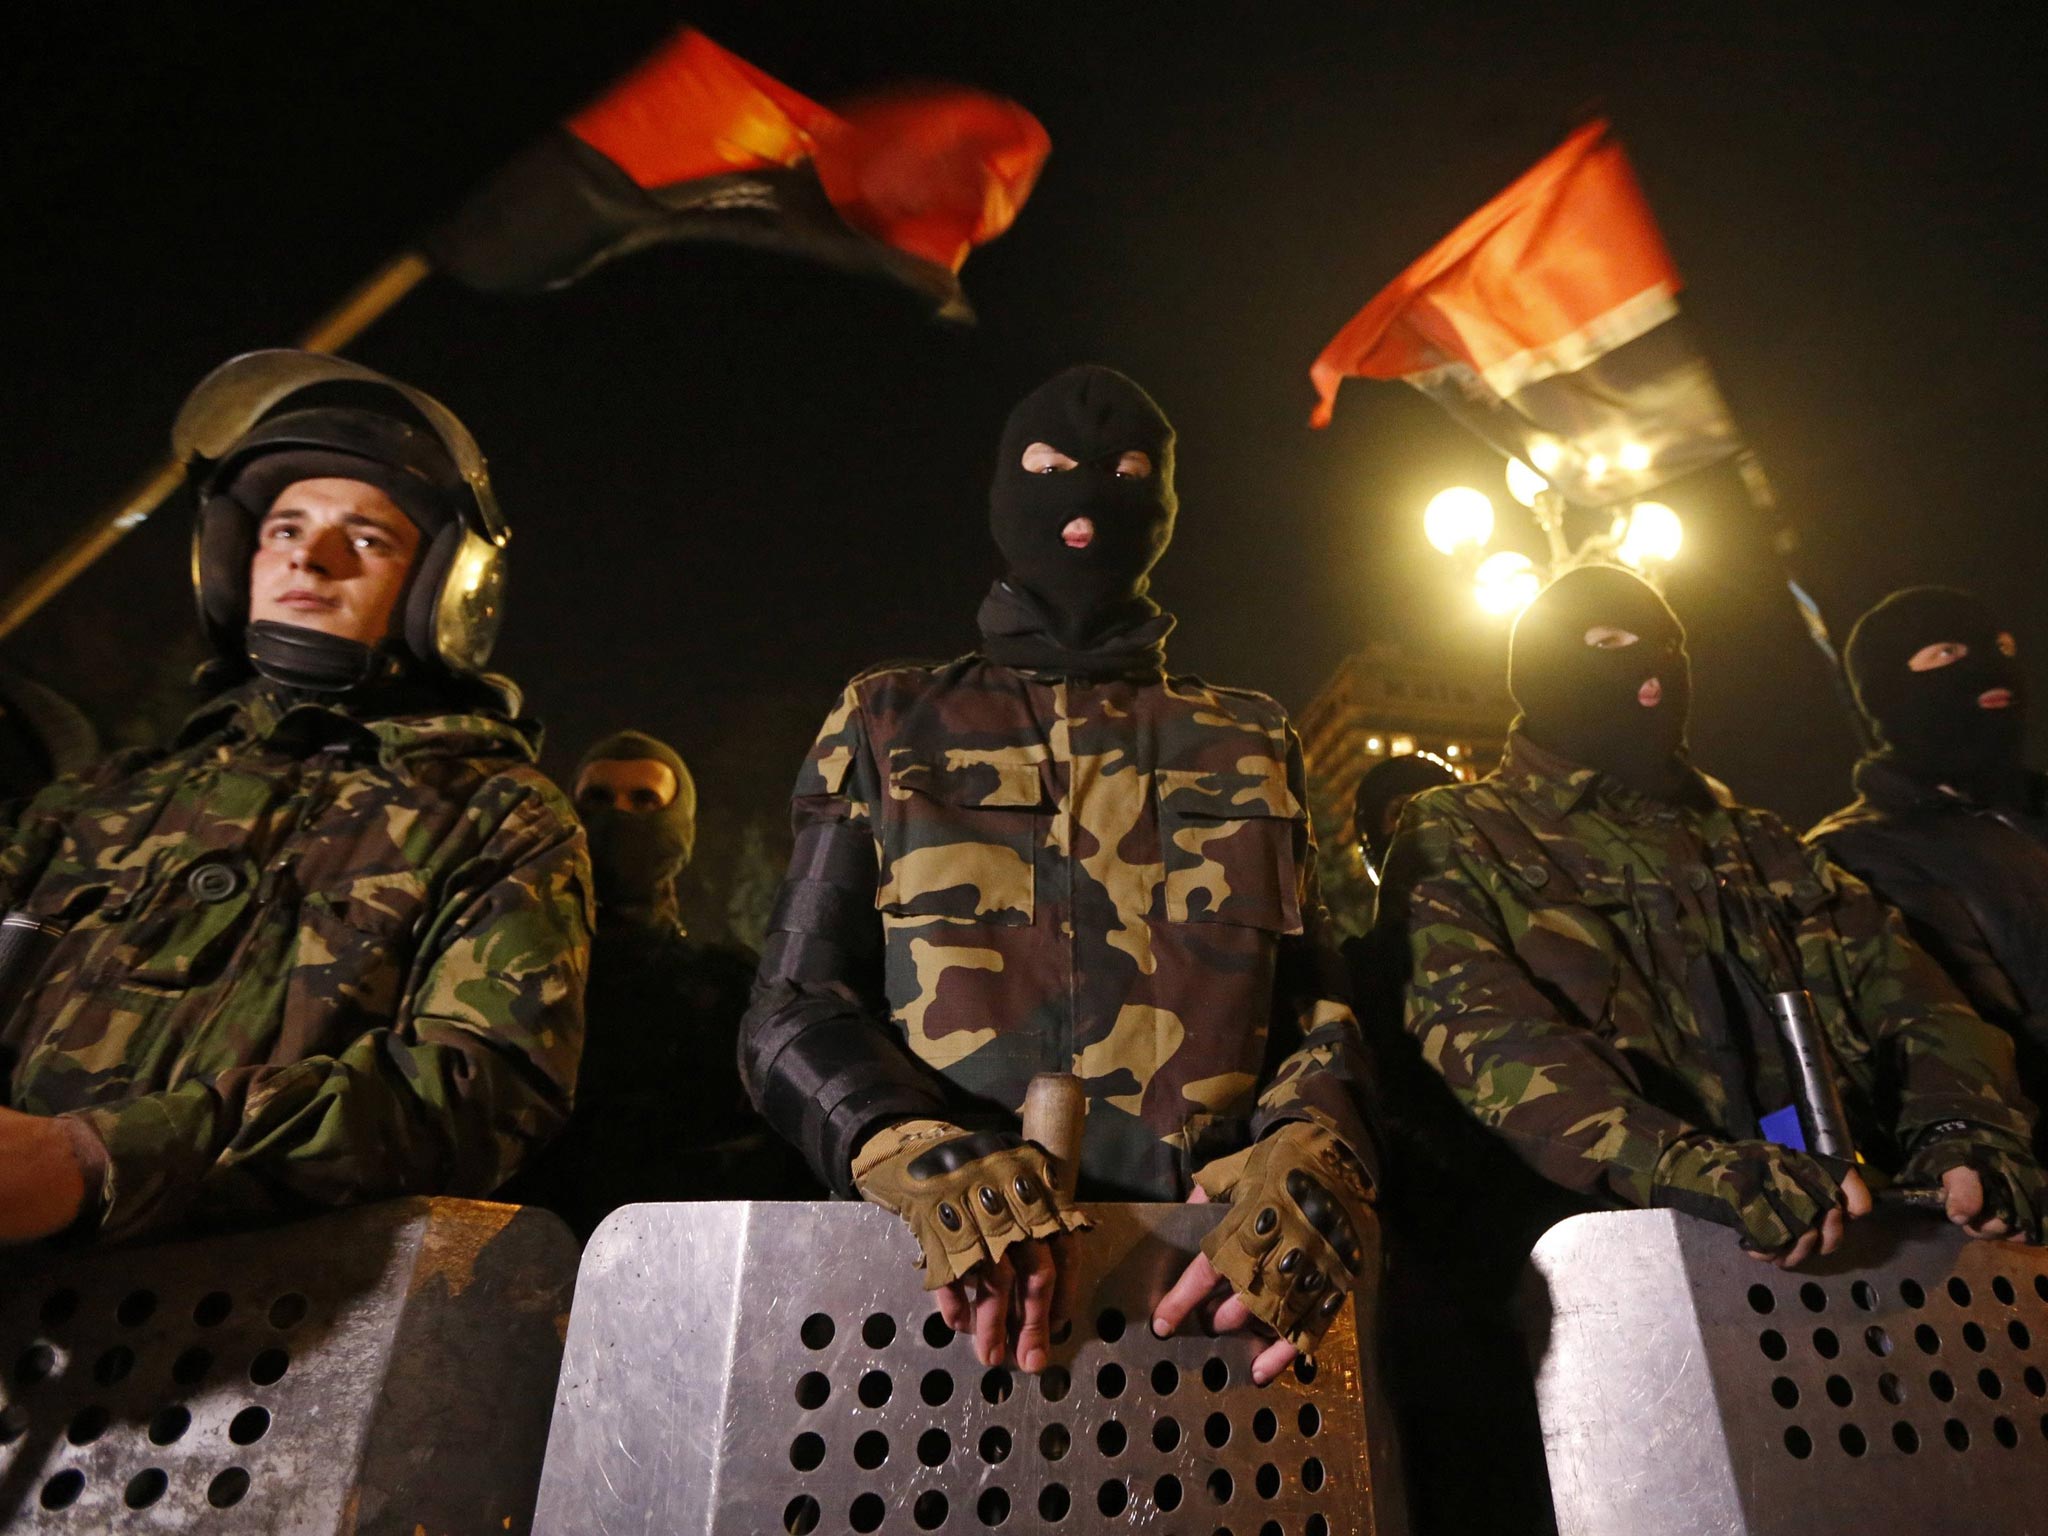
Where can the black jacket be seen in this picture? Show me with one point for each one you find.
(1972, 883)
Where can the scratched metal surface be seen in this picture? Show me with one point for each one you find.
(779, 1368)
(1898, 1386)
(375, 1370)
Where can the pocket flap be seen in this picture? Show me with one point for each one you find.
(1001, 779)
(1228, 794)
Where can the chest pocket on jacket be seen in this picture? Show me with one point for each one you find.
(185, 930)
(356, 945)
(1228, 839)
(959, 842)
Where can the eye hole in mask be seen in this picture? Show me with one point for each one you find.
(2007, 646)
(1610, 637)
(1044, 459)
(1942, 653)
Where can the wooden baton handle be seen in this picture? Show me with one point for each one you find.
(1055, 1109)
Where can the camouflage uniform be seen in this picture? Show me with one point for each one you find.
(308, 959)
(1111, 878)
(1563, 933)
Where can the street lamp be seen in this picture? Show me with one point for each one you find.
(1457, 519)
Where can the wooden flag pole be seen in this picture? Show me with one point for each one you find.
(330, 333)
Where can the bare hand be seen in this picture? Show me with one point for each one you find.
(1964, 1189)
(1023, 1296)
(1827, 1237)
(42, 1187)
(1194, 1291)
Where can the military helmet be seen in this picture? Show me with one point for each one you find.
(265, 403)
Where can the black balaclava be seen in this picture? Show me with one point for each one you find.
(637, 855)
(1093, 415)
(1586, 703)
(1934, 724)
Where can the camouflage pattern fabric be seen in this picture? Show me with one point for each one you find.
(308, 959)
(2015, 1188)
(1770, 1194)
(1114, 879)
(1556, 925)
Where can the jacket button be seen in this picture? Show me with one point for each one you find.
(212, 882)
(1533, 874)
(1697, 877)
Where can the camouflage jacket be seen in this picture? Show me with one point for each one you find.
(306, 959)
(1114, 879)
(1565, 937)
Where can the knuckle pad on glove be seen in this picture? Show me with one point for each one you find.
(968, 1198)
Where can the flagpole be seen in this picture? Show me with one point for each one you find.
(330, 333)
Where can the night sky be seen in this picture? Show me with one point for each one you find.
(734, 480)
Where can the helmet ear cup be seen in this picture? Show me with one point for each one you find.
(223, 543)
(456, 601)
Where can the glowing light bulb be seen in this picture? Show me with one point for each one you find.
(1457, 518)
(1634, 457)
(1372, 744)
(1401, 746)
(1546, 453)
(1451, 750)
(1506, 582)
(1524, 484)
(1654, 534)
(1596, 466)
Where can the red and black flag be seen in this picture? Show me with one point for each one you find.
(1548, 323)
(697, 144)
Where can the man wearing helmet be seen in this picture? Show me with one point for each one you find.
(330, 945)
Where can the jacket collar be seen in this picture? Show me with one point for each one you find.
(1893, 789)
(1556, 787)
(264, 713)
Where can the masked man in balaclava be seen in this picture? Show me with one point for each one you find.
(1051, 856)
(660, 1111)
(1595, 932)
(1950, 825)
(329, 945)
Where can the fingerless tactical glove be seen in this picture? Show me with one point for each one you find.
(969, 1196)
(2015, 1187)
(1292, 1245)
(1770, 1194)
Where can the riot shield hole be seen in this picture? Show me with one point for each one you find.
(1889, 1388)
(995, 1445)
(1272, 1528)
(145, 1488)
(993, 1507)
(1825, 1344)
(1267, 1480)
(936, 1388)
(114, 1365)
(212, 1309)
(2041, 1286)
(875, 1388)
(190, 1368)
(136, 1308)
(1958, 1290)
(2044, 1426)
(170, 1424)
(812, 1389)
(2036, 1382)
(59, 1307)
(1109, 1381)
(1840, 1393)
(268, 1368)
(1318, 1525)
(1111, 1498)
(1220, 1486)
(1905, 1437)
(867, 1512)
(1166, 1434)
(1165, 1377)
(807, 1452)
(227, 1488)
(34, 1364)
(1217, 1430)
(1304, 1369)
(1053, 1441)
(1772, 1343)
(1215, 1375)
(817, 1331)
(1054, 1383)
(1958, 1434)
(871, 1450)
(996, 1386)
(2003, 1432)
(1166, 1493)
(1974, 1337)
(1786, 1391)
(1928, 1340)
(937, 1332)
(2017, 1332)
(1310, 1419)
(1063, 1330)
(1761, 1301)
(88, 1424)
(250, 1425)
(879, 1331)
(933, 1447)
(13, 1423)
(288, 1311)
(800, 1515)
(1989, 1384)
(1864, 1294)
(1877, 1341)
(930, 1510)
(1053, 1502)
(1264, 1425)
(1911, 1294)
(1111, 1438)
(1312, 1474)
(2002, 1289)
(62, 1491)
(1941, 1386)
(1853, 1441)
(1798, 1442)
(1813, 1298)
(1109, 1325)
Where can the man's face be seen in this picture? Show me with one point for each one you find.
(332, 555)
(626, 784)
